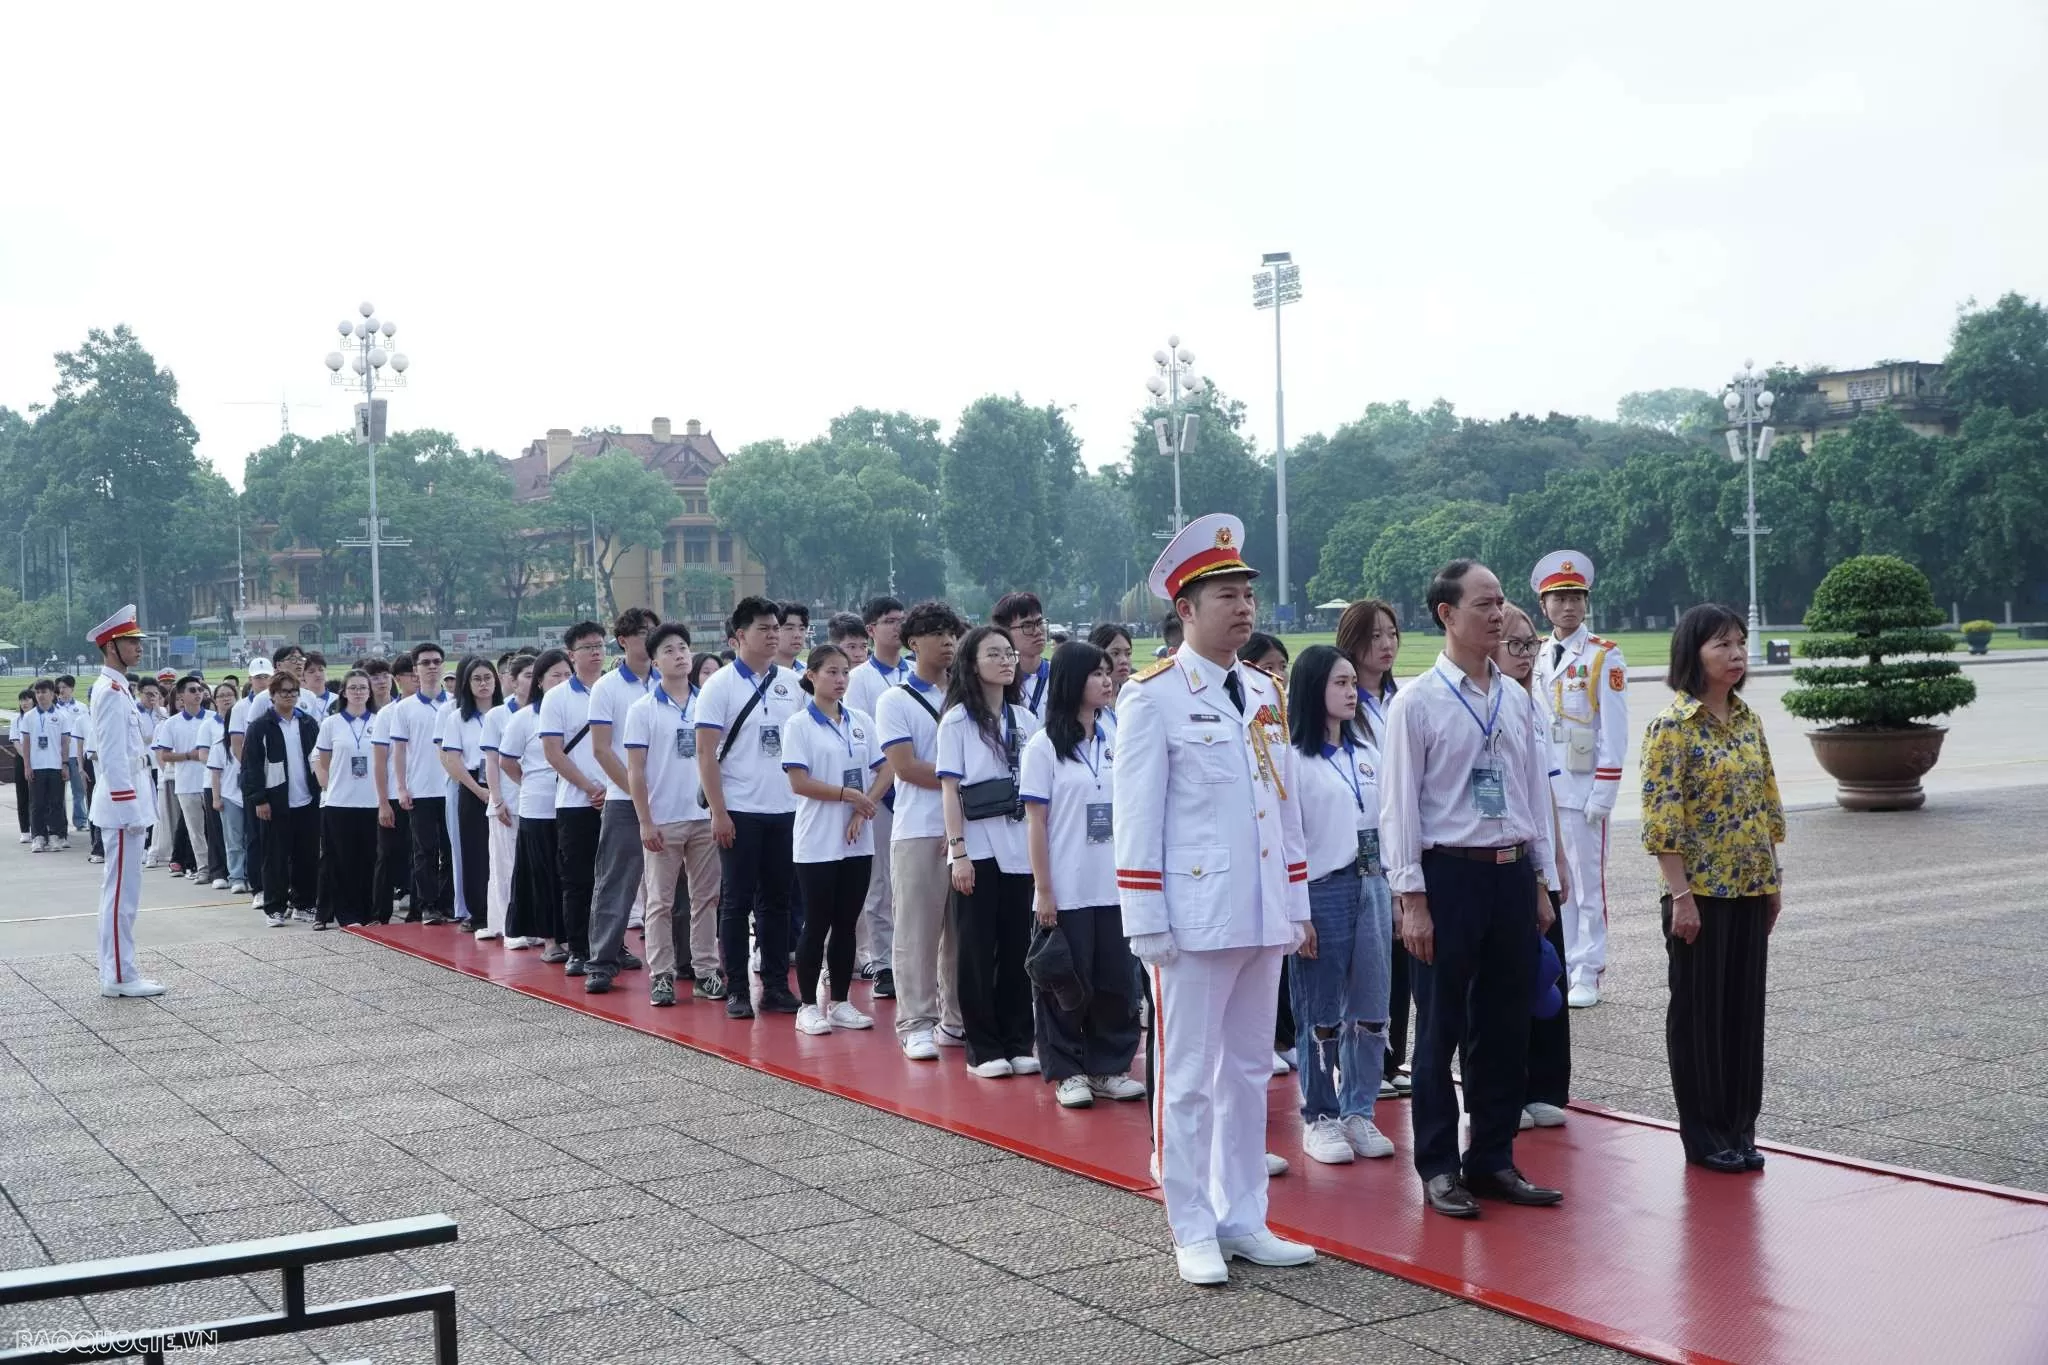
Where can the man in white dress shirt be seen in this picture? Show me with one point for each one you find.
(123, 803)
(1465, 834)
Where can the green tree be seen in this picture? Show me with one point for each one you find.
(1674, 411)
(1406, 556)
(197, 562)
(998, 510)
(1998, 357)
(1993, 504)
(313, 493)
(117, 450)
(1220, 474)
(457, 508)
(1101, 553)
(629, 505)
(1340, 567)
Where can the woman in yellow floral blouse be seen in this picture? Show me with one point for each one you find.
(1713, 821)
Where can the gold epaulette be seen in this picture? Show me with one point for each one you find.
(1153, 669)
(1604, 644)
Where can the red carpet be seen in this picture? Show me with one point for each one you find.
(1820, 1258)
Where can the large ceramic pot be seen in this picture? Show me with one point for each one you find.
(1979, 641)
(1878, 769)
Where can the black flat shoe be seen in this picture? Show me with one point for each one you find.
(737, 1006)
(780, 1002)
(1508, 1185)
(1447, 1195)
(1730, 1162)
(1752, 1158)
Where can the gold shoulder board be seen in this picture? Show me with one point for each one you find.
(1153, 669)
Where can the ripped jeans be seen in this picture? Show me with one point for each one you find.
(1340, 995)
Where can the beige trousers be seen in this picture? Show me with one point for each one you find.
(687, 862)
(926, 966)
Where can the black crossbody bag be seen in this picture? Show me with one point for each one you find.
(995, 796)
(725, 746)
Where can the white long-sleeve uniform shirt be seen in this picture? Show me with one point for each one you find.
(1586, 691)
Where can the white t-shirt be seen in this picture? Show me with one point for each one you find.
(1077, 795)
(219, 760)
(1034, 684)
(298, 782)
(494, 738)
(844, 755)
(865, 688)
(521, 744)
(42, 734)
(964, 752)
(610, 699)
(351, 781)
(752, 771)
(563, 712)
(464, 738)
(668, 733)
(315, 704)
(239, 715)
(180, 734)
(1340, 795)
(77, 723)
(416, 720)
(380, 739)
(902, 719)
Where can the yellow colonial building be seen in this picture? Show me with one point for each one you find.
(1913, 389)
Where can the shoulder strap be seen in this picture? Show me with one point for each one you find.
(918, 697)
(745, 711)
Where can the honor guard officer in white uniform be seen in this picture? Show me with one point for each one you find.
(123, 801)
(1212, 879)
(1583, 683)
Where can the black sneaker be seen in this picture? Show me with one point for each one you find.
(434, 917)
(575, 967)
(661, 990)
(780, 1001)
(629, 963)
(885, 984)
(597, 983)
(467, 926)
(738, 1007)
(710, 986)
(320, 924)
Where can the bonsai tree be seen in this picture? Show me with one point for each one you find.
(1875, 608)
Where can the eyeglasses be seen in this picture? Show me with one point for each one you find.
(1036, 625)
(1521, 646)
(999, 656)
(587, 646)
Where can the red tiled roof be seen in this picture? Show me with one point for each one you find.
(686, 460)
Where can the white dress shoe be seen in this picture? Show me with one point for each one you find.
(1583, 997)
(1280, 1066)
(140, 986)
(1275, 1164)
(1544, 1115)
(1202, 1263)
(1263, 1248)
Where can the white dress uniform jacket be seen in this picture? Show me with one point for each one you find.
(1586, 695)
(124, 796)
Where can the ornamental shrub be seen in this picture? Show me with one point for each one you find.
(1876, 608)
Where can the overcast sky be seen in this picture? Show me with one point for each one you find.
(762, 215)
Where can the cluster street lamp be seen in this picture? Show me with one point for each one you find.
(1278, 285)
(1176, 434)
(1749, 403)
(369, 340)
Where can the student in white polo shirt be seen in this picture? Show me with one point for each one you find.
(1020, 614)
(579, 788)
(40, 737)
(619, 864)
(534, 917)
(342, 759)
(423, 787)
(181, 746)
(885, 667)
(742, 716)
(460, 738)
(675, 831)
(834, 761)
(922, 957)
(224, 786)
(515, 672)
(394, 822)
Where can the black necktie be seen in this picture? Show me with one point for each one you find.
(1235, 689)
(1556, 655)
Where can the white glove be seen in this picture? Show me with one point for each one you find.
(1154, 950)
(1595, 817)
(1297, 934)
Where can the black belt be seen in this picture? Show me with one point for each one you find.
(1349, 869)
(1510, 853)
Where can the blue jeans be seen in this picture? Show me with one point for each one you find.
(232, 836)
(75, 768)
(1340, 995)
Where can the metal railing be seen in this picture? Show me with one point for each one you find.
(289, 1255)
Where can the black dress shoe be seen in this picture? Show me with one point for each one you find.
(1449, 1197)
(737, 1006)
(885, 984)
(1752, 1158)
(1730, 1162)
(597, 983)
(1508, 1185)
(780, 1002)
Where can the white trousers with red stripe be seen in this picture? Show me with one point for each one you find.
(1585, 911)
(120, 894)
(1215, 1038)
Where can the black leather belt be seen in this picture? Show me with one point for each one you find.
(1511, 853)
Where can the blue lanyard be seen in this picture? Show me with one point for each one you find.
(824, 720)
(355, 735)
(1486, 727)
(661, 695)
(1350, 771)
(1372, 704)
(1094, 763)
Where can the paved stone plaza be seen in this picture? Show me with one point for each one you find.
(622, 1197)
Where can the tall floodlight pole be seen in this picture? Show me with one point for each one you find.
(368, 338)
(1749, 403)
(1278, 285)
(1176, 435)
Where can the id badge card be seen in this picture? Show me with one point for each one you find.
(771, 741)
(358, 765)
(850, 779)
(42, 741)
(1099, 823)
(1489, 793)
(686, 742)
(1369, 853)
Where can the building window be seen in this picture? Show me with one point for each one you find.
(309, 582)
(725, 549)
(696, 505)
(668, 551)
(696, 548)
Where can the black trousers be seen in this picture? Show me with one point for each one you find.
(576, 829)
(536, 909)
(216, 843)
(472, 857)
(255, 846)
(756, 867)
(291, 858)
(432, 873)
(1101, 1037)
(833, 894)
(46, 801)
(1475, 996)
(1550, 1042)
(1283, 1019)
(1400, 993)
(1714, 1027)
(22, 799)
(348, 863)
(991, 934)
(393, 872)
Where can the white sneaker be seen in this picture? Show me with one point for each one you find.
(1525, 1122)
(1263, 1248)
(1276, 1164)
(220, 883)
(256, 899)
(96, 858)
(844, 1015)
(41, 845)
(1324, 1141)
(483, 934)
(149, 861)
(918, 1047)
(1365, 1139)
(1387, 1091)
(28, 838)
(195, 875)
(279, 920)
(993, 1068)
(519, 941)
(1116, 1087)
(811, 1019)
(141, 986)
(1202, 1263)
(1074, 1093)
(945, 1037)
(1544, 1115)
(1024, 1066)
(63, 845)
(240, 888)
(1280, 1065)
(754, 961)
(1583, 997)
